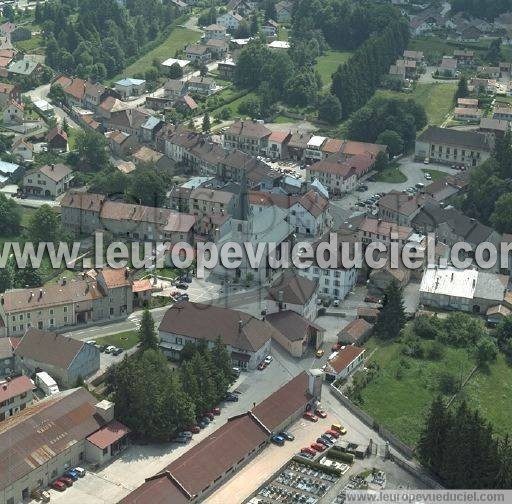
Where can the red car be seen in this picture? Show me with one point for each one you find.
(58, 485)
(209, 415)
(320, 413)
(372, 299)
(336, 347)
(215, 411)
(309, 416)
(308, 450)
(333, 433)
(67, 480)
(193, 428)
(318, 447)
(262, 365)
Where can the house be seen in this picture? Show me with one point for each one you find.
(214, 32)
(24, 67)
(270, 28)
(279, 45)
(22, 149)
(147, 156)
(400, 208)
(65, 422)
(336, 175)
(448, 67)
(198, 54)
(15, 395)
(462, 290)
(168, 63)
(57, 140)
(480, 85)
(192, 477)
(343, 363)
(471, 103)
(230, 20)
(247, 338)
(414, 56)
(376, 230)
(150, 128)
(64, 358)
(502, 113)
(446, 187)
(355, 332)
(9, 171)
(201, 85)
(489, 72)
(226, 69)
(284, 11)
(467, 114)
(292, 292)
(497, 127)
(449, 146)
(464, 57)
(250, 137)
(295, 333)
(121, 143)
(130, 87)
(175, 88)
(186, 104)
(347, 149)
(505, 69)
(369, 314)
(217, 48)
(205, 201)
(44, 108)
(48, 180)
(13, 113)
(277, 144)
(297, 145)
(109, 106)
(7, 360)
(128, 120)
(142, 290)
(381, 278)
(8, 93)
(471, 34)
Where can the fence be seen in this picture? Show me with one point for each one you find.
(403, 448)
(417, 472)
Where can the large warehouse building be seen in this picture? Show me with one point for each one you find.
(193, 476)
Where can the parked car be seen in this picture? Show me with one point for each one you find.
(118, 351)
(80, 471)
(215, 411)
(336, 303)
(183, 297)
(66, 480)
(231, 397)
(202, 424)
(236, 371)
(326, 302)
(181, 439)
(182, 285)
(309, 416)
(59, 485)
(336, 347)
(103, 348)
(194, 429)
(278, 440)
(323, 442)
(306, 455)
(361, 204)
(328, 439)
(91, 342)
(320, 352)
(45, 496)
(321, 413)
(371, 299)
(262, 365)
(428, 176)
(287, 436)
(339, 428)
(318, 447)
(309, 450)
(71, 474)
(209, 415)
(268, 359)
(110, 349)
(333, 433)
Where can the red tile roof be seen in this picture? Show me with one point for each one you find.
(15, 387)
(344, 357)
(108, 434)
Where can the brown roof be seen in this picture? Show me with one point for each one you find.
(249, 129)
(333, 166)
(366, 311)
(147, 155)
(279, 136)
(212, 195)
(116, 210)
(283, 403)
(54, 132)
(206, 322)
(354, 148)
(116, 277)
(63, 81)
(344, 357)
(355, 329)
(83, 201)
(24, 446)
(48, 347)
(332, 145)
(311, 201)
(74, 291)
(6, 88)
(291, 325)
(55, 172)
(383, 228)
(15, 387)
(141, 285)
(403, 203)
(108, 434)
(160, 489)
(295, 289)
(180, 222)
(76, 89)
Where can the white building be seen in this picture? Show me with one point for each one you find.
(332, 283)
(230, 20)
(130, 87)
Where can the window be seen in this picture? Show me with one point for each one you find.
(13, 328)
(105, 450)
(51, 311)
(65, 309)
(52, 321)
(179, 341)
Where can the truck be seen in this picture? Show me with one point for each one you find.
(46, 383)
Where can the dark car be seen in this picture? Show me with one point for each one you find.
(323, 442)
(231, 397)
(71, 474)
(202, 424)
(103, 347)
(328, 438)
(209, 415)
(182, 297)
(117, 351)
(278, 440)
(182, 285)
(287, 436)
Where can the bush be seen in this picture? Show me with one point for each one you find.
(447, 383)
(435, 351)
(347, 458)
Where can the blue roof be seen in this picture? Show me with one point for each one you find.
(8, 168)
(130, 82)
(151, 122)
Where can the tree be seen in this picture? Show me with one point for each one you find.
(27, 277)
(10, 216)
(91, 148)
(501, 218)
(175, 71)
(206, 123)
(6, 278)
(393, 140)
(148, 187)
(494, 54)
(434, 435)
(329, 109)
(147, 334)
(486, 350)
(43, 225)
(203, 70)
(462, 88)
(392, 316)
(381, 161)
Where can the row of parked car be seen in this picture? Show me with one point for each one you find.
(67, 479)
(323, 442)
(108, 349)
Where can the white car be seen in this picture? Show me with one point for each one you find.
(110, 349)
(336, 303)
(91, 342)
(80, 471)
(428, 176)
(268, 359)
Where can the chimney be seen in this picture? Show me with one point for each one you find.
(40, 293)
(280, 296)
(105, 409)
(52, 166)
(315, 378)
(240, 325)
(63, 280)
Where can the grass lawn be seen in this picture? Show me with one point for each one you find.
(31, 44)
(72, 138)
(436, 174)
(282, 34)
(281, 119)
(435, 46)
(170, 273)
(400, 403)
(436, 98)
(329, 62)
(125, 340)
(390, 174)
(26, 213)
(178, 39)
(233, 106)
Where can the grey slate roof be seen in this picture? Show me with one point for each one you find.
(472, 140)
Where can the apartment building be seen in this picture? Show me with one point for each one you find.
(250, 137)
(15, 395)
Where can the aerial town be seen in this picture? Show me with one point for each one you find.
(247, 153)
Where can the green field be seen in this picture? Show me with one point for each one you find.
(233, 106)
(437, 98)
(125, 340)
(329, 62)
(281, 119)
(178, 39)
(391, 174)
(435, 47)
(283, 33)
(31, 44)
(399, 402)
